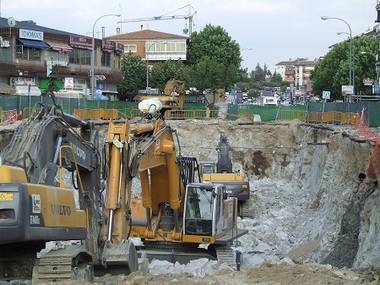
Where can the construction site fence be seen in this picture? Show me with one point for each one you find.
(20, 104)
(336, 113)
(191, 114)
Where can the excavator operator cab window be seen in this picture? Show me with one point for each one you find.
(207, 168)
(199, 210)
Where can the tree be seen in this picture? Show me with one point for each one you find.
(164, 71)
(213, 45)
(134, 76)
(332, 71)
(206, 74)
(259, 74)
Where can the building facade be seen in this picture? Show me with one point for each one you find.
(297, 72)
(28, 53)
(153, 46)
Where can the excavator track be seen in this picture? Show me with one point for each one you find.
(226, 255)
(64, 264)
(244, 210)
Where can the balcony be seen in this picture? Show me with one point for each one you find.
(157, 56)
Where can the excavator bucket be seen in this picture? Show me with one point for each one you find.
(120, 258)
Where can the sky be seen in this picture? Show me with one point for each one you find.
(268, 31)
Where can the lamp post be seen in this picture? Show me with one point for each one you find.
(92, 72)
(147, 66)
(352, 68)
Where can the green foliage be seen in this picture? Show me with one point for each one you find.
(253, 93)
(164, 71)
(332, 71)
(215, 43)
(259, 78)
(214, 47)
(134, 76)
(205, 74)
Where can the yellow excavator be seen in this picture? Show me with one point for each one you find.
(175, 212)
(236, 183)
(173, 97)
(36, 207)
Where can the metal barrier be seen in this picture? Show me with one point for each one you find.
(134, 113)
(98, 114)
(339, 118)
(190, 114)
(288, 115)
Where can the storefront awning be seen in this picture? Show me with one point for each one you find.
(60, 47)
(33, 44)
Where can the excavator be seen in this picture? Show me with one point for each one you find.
(173, 97)
(36, 207)
(237, 184)
(176, 212)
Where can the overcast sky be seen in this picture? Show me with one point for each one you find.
(268, 31)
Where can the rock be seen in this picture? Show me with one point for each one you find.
(303, 252)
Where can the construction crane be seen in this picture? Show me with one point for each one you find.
(189, 16)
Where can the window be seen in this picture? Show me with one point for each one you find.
(80, 56)
(130, 48)
(180, 47)
(106, 59)
(117, 62)
(28, 53)
(199, 211)
(170, 47)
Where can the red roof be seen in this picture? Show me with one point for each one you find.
(147, 35)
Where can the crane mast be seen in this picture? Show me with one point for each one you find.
(189, 16)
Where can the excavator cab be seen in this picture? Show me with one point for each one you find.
(207, 167)
(203, 212)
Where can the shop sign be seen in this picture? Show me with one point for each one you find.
(31, 35)
(368, 82)
(108, 46)
(22, 81)
(119, 48)
(81, 42)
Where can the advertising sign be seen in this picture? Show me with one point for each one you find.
(31, 35)
(108, 46)
(81, 42)
(368, 82)
(22, 81)
(347, 90)
(119, 48)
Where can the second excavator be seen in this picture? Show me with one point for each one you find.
(175, 212)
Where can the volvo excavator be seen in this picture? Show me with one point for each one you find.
(36, 207)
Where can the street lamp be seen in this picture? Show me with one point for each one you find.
(352, 68)
(93, 51)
